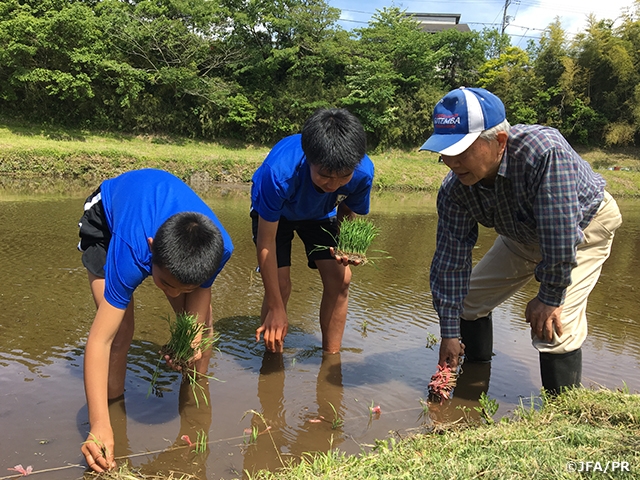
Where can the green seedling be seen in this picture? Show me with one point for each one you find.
(103, 449)
(337, 421)
(255, 433)
(354, 239)
(488, 407)
(252, 435)
(187, 338)
(424, 412)
(201, 442)
(432, 340)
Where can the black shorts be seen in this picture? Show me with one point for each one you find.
(313, 233)
(94, 235)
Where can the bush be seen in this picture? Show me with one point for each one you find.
(619, 134)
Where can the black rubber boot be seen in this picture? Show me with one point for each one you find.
(561, 371)
(473, 381)
(477, 336)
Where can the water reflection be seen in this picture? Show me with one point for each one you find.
(275, 441)
(46, 311)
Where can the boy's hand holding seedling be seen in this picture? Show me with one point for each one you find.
(344, 259)
(189, 340)
(190, 363)
(356, 235)
(98, 448)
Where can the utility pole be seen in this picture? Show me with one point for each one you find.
(505, 17)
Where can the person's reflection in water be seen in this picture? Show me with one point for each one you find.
(321, 436)
(270, 422)
(316, 432)
(195, 417)
(472, 382)
(118, 415)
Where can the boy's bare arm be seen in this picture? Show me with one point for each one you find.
(198, 303)
(275, 323)
(345, 212)
(98, 448)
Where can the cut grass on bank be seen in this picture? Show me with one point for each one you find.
(554, 442)
(75, 154)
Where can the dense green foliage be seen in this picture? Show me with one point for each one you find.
(254, 70)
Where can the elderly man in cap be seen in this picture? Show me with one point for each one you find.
(554, 220)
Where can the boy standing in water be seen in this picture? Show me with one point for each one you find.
(307, 184)
(139, 224)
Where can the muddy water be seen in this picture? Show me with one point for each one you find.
(289, 400)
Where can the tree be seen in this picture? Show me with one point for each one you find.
(293, 57)
(459, 57)
(47, 59)
(511, 78)
(393, 66)
(607, 74)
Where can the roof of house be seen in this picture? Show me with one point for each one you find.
(437, 22)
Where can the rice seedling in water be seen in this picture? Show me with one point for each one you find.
(201, 442)
(374, 410)
(252, 433)
(255, 433)
(187, 338)
(424, 413)
(337, 421)
(432, 340)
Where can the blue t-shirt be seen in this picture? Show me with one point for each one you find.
(282, 186)
(135, 205)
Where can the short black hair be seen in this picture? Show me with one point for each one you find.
(189, 245)
(334, 140)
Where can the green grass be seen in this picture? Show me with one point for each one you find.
(89, 156)
(50, 153)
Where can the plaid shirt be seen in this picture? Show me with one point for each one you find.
(544, 194)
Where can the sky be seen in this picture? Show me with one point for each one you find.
(527, 18)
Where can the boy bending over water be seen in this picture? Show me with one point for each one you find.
(139, 224)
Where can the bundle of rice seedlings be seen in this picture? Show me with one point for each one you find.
(444, 381)
(442, 384)
(355, 238)
(187, 337)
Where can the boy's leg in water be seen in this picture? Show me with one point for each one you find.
(335, 300)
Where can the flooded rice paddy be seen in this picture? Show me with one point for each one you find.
(290, 401)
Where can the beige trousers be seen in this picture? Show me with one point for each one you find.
(509, 265)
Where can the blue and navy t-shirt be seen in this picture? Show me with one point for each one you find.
(282, 186)
(135, 205)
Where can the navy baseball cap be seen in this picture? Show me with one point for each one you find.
(459, 118)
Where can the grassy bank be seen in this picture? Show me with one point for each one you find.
(554, 441)
(32, 152)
